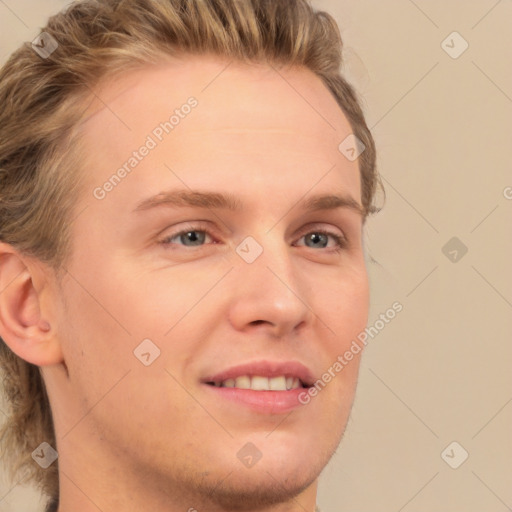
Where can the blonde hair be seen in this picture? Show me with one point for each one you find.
(42, 100)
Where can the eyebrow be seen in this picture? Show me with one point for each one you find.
(215, 200)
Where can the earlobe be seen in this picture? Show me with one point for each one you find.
(22, 325)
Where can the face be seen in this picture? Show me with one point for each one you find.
(228, 253)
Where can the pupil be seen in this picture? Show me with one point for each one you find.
(317, 238)
(194, 238)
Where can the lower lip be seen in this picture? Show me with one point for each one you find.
(268, 402)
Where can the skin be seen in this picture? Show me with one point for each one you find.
(132, 437)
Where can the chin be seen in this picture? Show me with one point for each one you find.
(247, 489)
(280, 476)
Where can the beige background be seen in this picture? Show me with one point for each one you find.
(441, 370)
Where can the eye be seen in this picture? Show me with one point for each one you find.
(197, 236)
(319, 239)
(190, 237)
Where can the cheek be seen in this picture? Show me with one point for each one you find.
(346, 303)
(344, 309)
(104, 317)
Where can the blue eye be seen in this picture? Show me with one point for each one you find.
(320, 239)
(189, 238)
(317, 240)
(194, 236)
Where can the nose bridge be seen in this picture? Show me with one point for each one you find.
(274, 265)
(278, 262)
(268, 288)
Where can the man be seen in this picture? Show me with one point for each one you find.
(184, 187)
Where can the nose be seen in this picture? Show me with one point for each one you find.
(269, 294)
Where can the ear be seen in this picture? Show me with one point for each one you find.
(23, 326)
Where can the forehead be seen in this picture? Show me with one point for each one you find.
(231, 83)
(267, 117)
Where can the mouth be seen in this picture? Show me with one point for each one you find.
(264, 387)
(261, 383)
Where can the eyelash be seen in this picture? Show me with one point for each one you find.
(341, 241)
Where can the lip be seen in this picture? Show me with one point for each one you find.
(264, 402)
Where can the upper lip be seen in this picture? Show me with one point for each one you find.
(265, 369)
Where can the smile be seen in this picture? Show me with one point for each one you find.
(259, 383)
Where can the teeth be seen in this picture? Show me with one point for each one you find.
(277, 383)
(230, 383)
(243, 382)
(259, 383)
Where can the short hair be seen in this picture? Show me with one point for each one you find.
(44, 97)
